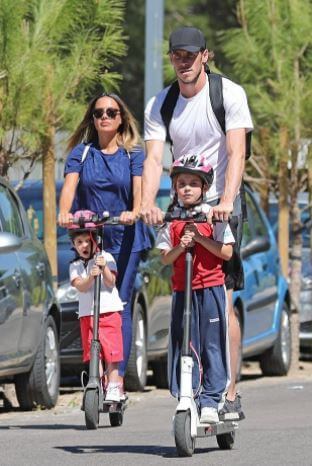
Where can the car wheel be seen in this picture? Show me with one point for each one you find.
(160, 373)
(137, 365)
(276, 360)
(40, 386)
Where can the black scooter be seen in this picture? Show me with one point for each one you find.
(94, 401)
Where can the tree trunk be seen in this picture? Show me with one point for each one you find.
(4, 164)
(49, 201)
(264, 188)
(283, 211)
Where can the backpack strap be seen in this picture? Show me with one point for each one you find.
(216, 97)
(168, 106)
(85, 152)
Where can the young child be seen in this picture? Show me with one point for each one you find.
(83, 271)
(211, 245)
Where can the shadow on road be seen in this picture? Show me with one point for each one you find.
(156, 450)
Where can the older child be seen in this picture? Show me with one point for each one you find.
(211, 245)
(83, 271)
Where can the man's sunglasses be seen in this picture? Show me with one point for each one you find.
(111, 113)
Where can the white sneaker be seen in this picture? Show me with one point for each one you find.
(112, 392)
(209, 415)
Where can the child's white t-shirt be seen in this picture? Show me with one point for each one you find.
(109, 298)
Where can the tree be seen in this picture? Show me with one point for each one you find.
(53, 55)
(271, 53)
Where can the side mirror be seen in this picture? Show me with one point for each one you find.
(258, 244)
(9, 243)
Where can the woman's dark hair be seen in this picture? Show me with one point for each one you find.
(128, 134)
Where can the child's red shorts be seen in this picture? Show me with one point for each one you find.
(110, 336)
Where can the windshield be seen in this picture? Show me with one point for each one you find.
(32, 202)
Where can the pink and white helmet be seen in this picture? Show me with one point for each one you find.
(81, 225)
(193, 164)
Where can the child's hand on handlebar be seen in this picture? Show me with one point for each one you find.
(100, 261)
(191, 228)
(187, 240)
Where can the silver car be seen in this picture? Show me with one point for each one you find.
(29, 313)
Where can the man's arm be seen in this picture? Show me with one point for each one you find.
(235, 145)
(151, 179)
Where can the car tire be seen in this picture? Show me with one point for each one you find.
(136, 375)
(160, 376)
(276, 360)
(40, 386)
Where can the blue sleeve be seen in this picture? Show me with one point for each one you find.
(73, 162)
(137, 157)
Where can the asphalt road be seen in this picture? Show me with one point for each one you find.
(276, 431)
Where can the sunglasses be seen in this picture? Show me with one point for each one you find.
(110, 112)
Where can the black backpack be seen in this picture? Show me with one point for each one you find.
(216, 99)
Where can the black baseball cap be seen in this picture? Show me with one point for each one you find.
(187, 38)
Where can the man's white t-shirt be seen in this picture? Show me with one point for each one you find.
(195, 130)
(109, 300)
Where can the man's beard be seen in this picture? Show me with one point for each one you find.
(193, 81)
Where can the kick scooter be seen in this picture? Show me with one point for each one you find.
(186, 424)
(94, 396)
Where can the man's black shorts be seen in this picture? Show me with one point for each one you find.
(233, 269)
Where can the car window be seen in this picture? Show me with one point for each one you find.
(163, 199)
(255, 225)
(11, 221)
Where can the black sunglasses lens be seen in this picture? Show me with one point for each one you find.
(111, 113)
(98, 113)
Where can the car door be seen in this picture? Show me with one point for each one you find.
(11, 295)
(261, 278)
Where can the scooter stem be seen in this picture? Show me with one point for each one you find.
(186, 350)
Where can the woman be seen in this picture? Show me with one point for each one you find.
(109, 179)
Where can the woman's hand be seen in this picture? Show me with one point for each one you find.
(129, 217)
(65, 219)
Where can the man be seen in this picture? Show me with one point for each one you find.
(194, 129)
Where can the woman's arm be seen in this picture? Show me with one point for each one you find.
(130, 217)
(66, 198)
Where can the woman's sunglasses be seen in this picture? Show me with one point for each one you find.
(111, 113)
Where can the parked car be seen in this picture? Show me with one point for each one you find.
(305, 333)
(150, 307)
(29, 313)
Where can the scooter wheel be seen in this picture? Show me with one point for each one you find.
(182, 433)
(226, 441)
(91, 408)
(115, 419)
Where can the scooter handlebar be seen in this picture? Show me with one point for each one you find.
(187, 216)
(98, 220)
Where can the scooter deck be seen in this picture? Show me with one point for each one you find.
(210, 430)
(114, 406)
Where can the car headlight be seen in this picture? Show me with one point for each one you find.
(67, 293)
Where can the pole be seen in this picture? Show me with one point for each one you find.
(154, 19)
